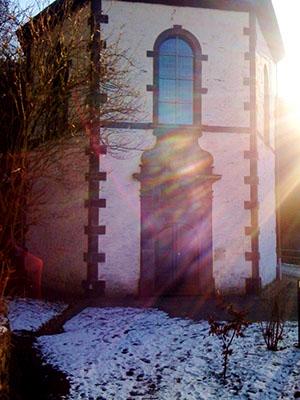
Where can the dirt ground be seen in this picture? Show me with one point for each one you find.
(258, 307)
(282, 294)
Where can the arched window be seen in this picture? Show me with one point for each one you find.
(177, 78)
(175, 82)
(266, 107)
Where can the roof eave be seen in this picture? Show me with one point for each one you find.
(263, 8)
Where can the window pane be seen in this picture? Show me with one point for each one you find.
(167, 66)
(167, 90)
(185, 67)
(185, 91)
(166, 113)
(175, 82)
(184, 114)
(168, 46)
(183, 48)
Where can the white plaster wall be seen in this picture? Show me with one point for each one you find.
(264, 58)
(220, 34)
(267, 216)
(266, 164)
(122, 217)
(229, 216)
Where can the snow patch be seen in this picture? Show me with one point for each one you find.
(124, 353)
(30, 315)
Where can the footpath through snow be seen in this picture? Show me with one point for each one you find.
(126, 354)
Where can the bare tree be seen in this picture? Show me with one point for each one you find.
(46, 70)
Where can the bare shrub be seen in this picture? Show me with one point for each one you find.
(277, 302)
(227, 331)
(46, 94)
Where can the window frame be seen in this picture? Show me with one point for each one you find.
(178, 32)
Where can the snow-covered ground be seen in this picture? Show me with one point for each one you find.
(123, 353)
(29, 315)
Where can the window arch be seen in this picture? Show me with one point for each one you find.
(266, 107)
(177, 78)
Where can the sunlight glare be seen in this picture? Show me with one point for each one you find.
(288, 12)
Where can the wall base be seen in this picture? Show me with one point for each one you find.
(253, 285)
(94, 288)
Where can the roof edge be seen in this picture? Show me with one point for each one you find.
(263, 9)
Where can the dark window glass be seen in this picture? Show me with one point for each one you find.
(167, 88)
(185, 67)
(184, 113)
(168, 46)
(184, 48)
(167, 67)
(185, 91)
(167, 113)
(175, 82)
